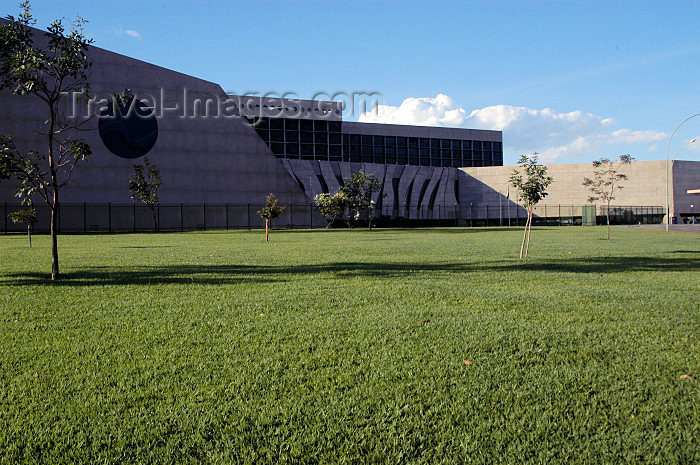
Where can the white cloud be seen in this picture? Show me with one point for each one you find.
(127, 32)
(421, 111)
(556, 136)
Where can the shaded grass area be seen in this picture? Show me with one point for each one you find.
(349, 347)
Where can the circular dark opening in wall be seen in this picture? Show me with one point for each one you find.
(131, 131)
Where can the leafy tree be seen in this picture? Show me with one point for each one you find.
(269, 212)
(144, 184)
(331, 206)
(26, 216)
(607, 178)
(531, 187)
(49, 73)
(358, 190)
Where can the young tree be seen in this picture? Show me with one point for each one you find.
(26, 216)
(269, 212)
(331, 206)
(607, 178)
(531, 187)
(144, 184)
(49, 73)
(358, 190)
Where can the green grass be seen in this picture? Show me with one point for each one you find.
(154, 348)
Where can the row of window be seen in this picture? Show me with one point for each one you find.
(323, 140)
(291, 124)
(375, 141)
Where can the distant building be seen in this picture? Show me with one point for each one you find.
(217, 149)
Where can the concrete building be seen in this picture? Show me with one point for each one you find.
(215, 149)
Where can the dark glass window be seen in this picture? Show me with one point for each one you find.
(413, 142)
(276, 123)
(320, 125)
(476, 145)
(334, 126)
(322, 150)
(306, 125)
(456, 144)
(446, 154)
(334, 150)
(378, 150)
(390, 160)
(401, 151)
(413, 161)
(321, 137)
(291, 136)
(293, 149)
(467, 144)
(445, 163)
(425, 143)
(346, 139)
(402, 141)
(366, 150)
(378, 140)
(307, 137)
(402, 159)
(424, 153)
(366, 140)
(497, 146)
(456, 163)
(277, 148)
(378, 159)
(390, 151)
(355, 158)
(435, 154)
(354, 150)
(277, 136)
(434, 143)
(389, 141)
(486, 145)
(291, 124)
(434, 162)
(445, 143)
(334, 138)
(307, 149)
(412, 152)
(263, 133)
(355, 139)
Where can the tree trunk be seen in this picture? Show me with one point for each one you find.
(54, 237)
(522, 247)
(607, 216)
(529, 231)
(369, 215)
(155, 217)
(267, 229)
(29, 234)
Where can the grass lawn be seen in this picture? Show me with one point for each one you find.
(391, 346)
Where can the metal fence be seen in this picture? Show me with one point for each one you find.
(89, 217)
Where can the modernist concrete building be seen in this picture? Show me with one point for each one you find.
(215, 149)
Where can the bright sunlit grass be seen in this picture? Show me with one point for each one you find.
(391, 346)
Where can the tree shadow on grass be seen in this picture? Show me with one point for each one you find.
(234, 274)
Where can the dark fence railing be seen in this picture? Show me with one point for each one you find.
(89, 217)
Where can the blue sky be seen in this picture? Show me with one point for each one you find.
(572, 80)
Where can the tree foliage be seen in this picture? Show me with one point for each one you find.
(331, 206)
(355, 197)
(50, 73)
(270, 211)
(531, 182)
(607, 179)
(144, 184)
(26, 216)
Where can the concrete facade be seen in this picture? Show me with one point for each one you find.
(646, 185)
